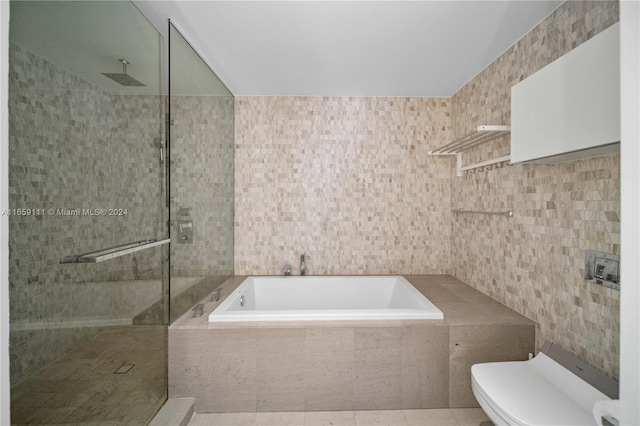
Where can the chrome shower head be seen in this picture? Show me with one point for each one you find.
(123, 78)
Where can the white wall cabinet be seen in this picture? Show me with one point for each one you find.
(570, 109)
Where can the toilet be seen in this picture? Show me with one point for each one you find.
(554, 388)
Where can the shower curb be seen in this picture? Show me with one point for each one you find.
(176, 411)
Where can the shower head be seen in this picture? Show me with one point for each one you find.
(123, 78)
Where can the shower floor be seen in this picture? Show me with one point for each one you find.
(82, 387)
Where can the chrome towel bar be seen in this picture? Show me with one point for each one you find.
(507, 213)
(113, 252)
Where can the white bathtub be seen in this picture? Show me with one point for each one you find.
(325, 298)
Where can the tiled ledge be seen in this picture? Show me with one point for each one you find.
(464, 305)
(176, 411)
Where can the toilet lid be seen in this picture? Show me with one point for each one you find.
(519, 392)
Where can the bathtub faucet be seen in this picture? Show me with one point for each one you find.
(303, 265)
(286, 270)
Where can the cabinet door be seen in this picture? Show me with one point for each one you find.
(570, 109)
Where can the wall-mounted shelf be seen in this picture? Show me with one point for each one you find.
(113, 252)
(481, 135)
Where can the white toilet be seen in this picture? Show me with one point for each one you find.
(545, 390)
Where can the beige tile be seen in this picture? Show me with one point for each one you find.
(100, 396)
(216, 367)
(435, 292)
(468, 346)
(329, 418)
(380, 417)
(432, 417)
(223, 419)
(281, 369)
(175, 411)
(289, 418)
(52, 415)
(429, 417)
(329, 376)
(425, 367)
(137, 415)
(92, 411)
(468, 294)
(378, 368)
(515, 342)
(348, 194)
(468, 314)
(470, 416)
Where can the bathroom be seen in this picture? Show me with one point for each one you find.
(373, 157)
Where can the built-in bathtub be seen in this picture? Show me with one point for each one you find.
(325, 298)
(343, 364)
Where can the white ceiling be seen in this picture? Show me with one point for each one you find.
(348, 48)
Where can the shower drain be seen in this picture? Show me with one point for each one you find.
(124, 369)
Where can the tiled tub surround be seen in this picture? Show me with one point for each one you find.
(347, 180)
(66, 140)
(338, 365)
(534, 261)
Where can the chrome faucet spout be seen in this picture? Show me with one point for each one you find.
(303, 265)
(286, 270)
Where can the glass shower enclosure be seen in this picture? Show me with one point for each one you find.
(88, 234)
(201, 135)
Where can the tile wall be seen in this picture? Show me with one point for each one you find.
(349, 182)
(534, 262)
(346, 180)
(67, 151)
(202, 183)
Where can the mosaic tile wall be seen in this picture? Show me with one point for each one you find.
(67, 151)
(345, 180)
(534, 262)
(202, 153)
(202, 164)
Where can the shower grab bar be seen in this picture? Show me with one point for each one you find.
(507, 213)
(113, 252)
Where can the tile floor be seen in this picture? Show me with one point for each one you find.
(435, 417)
(81, 387)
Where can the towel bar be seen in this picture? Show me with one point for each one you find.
(507, 213)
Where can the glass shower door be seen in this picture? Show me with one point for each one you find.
(87, 238)
(201, 111)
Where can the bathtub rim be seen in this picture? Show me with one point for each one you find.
(335, 316)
